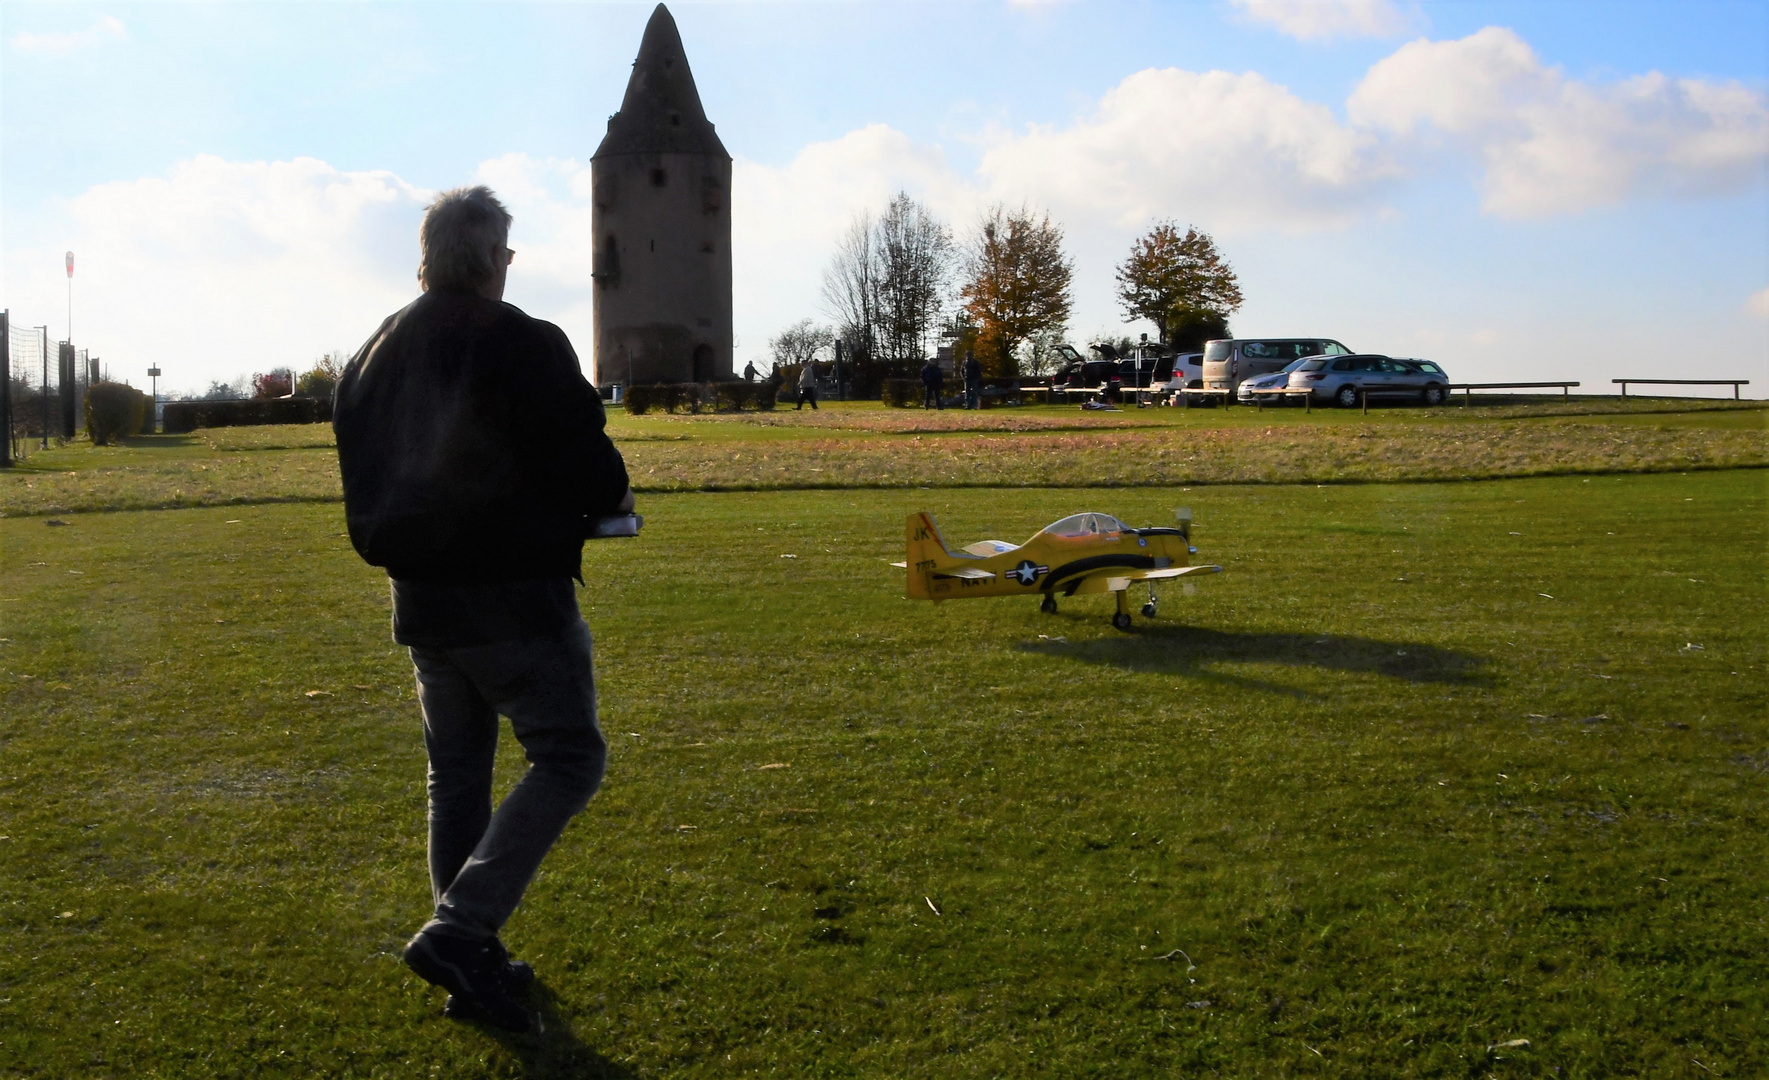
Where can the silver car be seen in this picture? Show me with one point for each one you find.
(1275, 381)
(1347, 379)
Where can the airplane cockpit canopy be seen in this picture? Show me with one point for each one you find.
(1086, 525)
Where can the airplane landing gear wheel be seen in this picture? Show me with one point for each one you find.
(1148, 610)
(1121, 621)
(1048, 605)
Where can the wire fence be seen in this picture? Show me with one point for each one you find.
(36, 374)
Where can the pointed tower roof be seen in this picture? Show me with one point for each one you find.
(661, 113)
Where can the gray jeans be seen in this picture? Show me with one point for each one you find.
(481, 862)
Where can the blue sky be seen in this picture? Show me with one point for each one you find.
(1517, 190)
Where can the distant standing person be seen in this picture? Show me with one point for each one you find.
(973, 382)
(749, 371)
(933, 380)
(807, 386)
(473, 456)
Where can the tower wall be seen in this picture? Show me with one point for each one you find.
(662, 225)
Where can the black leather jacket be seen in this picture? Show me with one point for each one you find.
(472, 448)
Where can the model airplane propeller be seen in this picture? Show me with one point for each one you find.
(1079, 555)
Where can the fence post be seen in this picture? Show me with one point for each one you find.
(6, 388)
(1565, 394)
(1364, 393)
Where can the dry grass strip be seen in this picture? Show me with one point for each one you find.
(1168, 456)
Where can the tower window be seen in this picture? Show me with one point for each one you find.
(659, 178)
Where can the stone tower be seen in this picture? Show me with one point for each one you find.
(661, 181)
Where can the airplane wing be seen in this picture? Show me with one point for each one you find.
(956, 572)
(964, 572)
(1176, 571)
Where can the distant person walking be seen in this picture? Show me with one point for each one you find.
(973, 382)
(473, 456)
(932, 381)
(749, 371)
(807, 386)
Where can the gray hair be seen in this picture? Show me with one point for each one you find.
(460, 236)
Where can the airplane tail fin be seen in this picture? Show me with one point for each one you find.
(925, 551)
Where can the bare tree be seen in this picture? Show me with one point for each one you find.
(1171, 279)
(914, 255)
(1017, 283)
(850, 286)
(800, 343)
(1038, 354)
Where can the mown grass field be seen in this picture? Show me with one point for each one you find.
(860, 445)
(1432, 768)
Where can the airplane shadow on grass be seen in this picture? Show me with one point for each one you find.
(555, 1052)
(1193, 652)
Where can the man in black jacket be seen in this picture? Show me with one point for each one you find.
(933, 380)
(474, 459)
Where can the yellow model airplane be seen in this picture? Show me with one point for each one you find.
(1079, 555)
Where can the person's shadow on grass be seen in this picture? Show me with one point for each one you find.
(555, 1052)
(1192, 652)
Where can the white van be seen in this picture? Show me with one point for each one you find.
(1229, 360)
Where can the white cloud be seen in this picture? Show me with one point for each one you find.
(105, 29)
(1758, 304)
(1312, 20)
(1236, 151)
(223, 268)
(1550, 144)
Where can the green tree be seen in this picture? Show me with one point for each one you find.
(1172, 279)
(1189, 328)
(321, 380)
(1016, 284)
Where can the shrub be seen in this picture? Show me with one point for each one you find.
(735, 396)
(275, 383)
(182, 416)
(693, 397)
(901, 393)
(115, 411)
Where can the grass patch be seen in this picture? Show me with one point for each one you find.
(1430, 769)
(862, 445)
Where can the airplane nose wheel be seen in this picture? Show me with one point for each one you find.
(1048, 605)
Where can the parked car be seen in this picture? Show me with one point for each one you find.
(1229, 360)
(1099, 368)
(1276, 380)
(1187, 370)
(1345, 379)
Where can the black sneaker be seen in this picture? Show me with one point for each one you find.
(517, 975)
(473, 973)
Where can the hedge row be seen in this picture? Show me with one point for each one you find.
(115, 411)
(902, 393)
(695, 397)
(182, 416)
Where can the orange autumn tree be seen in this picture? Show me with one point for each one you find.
(1016, 284)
